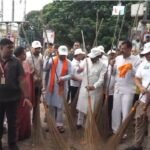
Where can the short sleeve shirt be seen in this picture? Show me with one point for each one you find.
(13, 69)
(143, 72)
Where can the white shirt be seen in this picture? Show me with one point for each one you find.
(126, 85)
(75, 64)
(36, 62)
(143, 72)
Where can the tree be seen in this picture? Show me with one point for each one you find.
(68, 18)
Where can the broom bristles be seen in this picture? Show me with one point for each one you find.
(58, 141)
(38, 137)
(70, 119)
(115, 139)
(92, 136)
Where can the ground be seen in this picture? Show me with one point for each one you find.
(28, 144)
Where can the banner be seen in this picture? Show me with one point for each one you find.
(50, 36)
(118, 10)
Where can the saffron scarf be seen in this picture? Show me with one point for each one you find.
(123, 70)
(53, 75)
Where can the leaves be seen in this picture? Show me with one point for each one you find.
(68, 18)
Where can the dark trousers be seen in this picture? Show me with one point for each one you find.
(10, 110)
(73, 91)
(110, 107)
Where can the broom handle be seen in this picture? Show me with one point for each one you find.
(87, 69)
(137, 102)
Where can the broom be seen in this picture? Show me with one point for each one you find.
(70, 120)
(114, 140)
(38, 138)
(57, 140)
(92, 136)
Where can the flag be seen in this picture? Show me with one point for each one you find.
(50, 35)
(118, 10)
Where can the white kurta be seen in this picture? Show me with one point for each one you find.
(54, 99)
(96, 73)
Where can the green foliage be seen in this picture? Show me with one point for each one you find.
(68, 18)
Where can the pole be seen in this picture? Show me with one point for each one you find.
(13, 10)
(2, 5)
(146, 11)
(25, 4)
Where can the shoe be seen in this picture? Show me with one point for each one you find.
(61, 129)
(124, 136)
(134, 148)
(13, 147)
(79, 127)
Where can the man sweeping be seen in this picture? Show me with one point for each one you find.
(95, 72)
(60, 72)
(124, 70)
(142, 80)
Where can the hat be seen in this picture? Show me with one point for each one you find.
(94, 52)
(78, 51)
(110, 52)
(36, 44)
(101, 48)
(146, 49)
(147, 45)
(63, 50)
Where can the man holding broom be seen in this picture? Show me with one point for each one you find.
(142, 80)
(95, 70)
(60, 72)
(124, 70)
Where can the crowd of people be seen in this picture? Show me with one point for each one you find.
(60, 74)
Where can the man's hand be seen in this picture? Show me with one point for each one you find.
(80, 70)
(60, 81)
(27, 102)
(90, 88)
(143, 90)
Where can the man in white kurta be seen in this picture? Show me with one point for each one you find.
(54, 98)
(124, 68)
(95, 72)
(75, 85)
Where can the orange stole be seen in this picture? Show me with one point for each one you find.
(124, 69)
(53, 74)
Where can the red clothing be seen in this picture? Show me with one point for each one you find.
(24, 117)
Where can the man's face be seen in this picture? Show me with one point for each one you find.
(112, 56)
(23, 56)
(147, 56)
(126, 51)
(76, 45)
(36, 51)
(62, 57)
(6, 51)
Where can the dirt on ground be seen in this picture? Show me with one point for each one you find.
(76, 144)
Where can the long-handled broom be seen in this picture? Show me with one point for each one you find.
(58, 141)
(38, 137)
(92, 136)
(113, 142)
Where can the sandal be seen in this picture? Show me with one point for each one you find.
(61, 129)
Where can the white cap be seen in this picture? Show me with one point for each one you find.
(101, 48)
(146, 49)
(110, 52)
(94, 52)
(63, 50)
(78, 51)
(36, 44)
